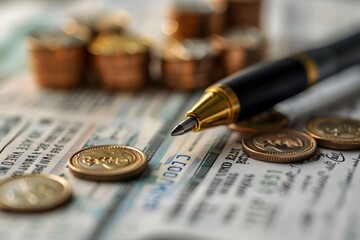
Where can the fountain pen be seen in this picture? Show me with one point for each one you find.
(260, 87)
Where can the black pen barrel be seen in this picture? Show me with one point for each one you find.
(262, 86)
(337, 56)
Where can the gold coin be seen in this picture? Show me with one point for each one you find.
(265, 121)
(282, 146)
(112, 44)
(108, 163)
(335, 132)
(33, 193)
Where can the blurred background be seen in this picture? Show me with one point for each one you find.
(283, 26)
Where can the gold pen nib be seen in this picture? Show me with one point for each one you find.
(185, 126)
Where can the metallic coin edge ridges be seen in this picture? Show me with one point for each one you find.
(110, 173)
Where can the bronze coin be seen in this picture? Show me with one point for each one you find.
(280, 146)
(335, 132)
(265, 121)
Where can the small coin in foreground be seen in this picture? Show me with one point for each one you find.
(281, 146)
(265, 121)
(108, 163)
(33, 193)
(335, 132)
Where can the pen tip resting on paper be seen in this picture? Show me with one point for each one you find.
(185, 126)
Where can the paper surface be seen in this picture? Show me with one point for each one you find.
(198, 186)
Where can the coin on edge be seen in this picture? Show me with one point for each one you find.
(335, 132)
(33, 193)
(108, 163)
(265, 121)
(280, 146)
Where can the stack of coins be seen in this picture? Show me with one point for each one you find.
(195, 20)
(241, 48)
(108, 163)
(243, 13)
(33, 193)
(121, 61)
(189, 64)
(58, 59)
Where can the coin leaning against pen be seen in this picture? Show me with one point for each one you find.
(108, 163)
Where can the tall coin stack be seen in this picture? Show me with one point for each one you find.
(58, 59)
(189, 57)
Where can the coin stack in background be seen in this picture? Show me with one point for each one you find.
(189, 64)
(58, 60)
(242, 13)
(98, 49)
(236, 41)
(241, 47)
(189, 58)
(121, 61)
(206, 40)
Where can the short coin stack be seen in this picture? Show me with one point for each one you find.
(58, 60)
(121, 61)
(269, 141)
(189, 64)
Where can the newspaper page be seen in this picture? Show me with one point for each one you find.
(198, 186)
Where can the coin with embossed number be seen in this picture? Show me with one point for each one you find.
(265, 121)
(108, 163)
(335, 132)
(282, 146)
(33, 193)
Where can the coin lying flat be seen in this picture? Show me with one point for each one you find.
(108, 163)
(33, 193)
(265, 121)
(281, 146)
(335, 132)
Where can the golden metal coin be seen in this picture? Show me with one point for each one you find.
(108, 163)
(33, 193)
(265, 121)
(281, 146)
(108, 44)
(335, 132)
